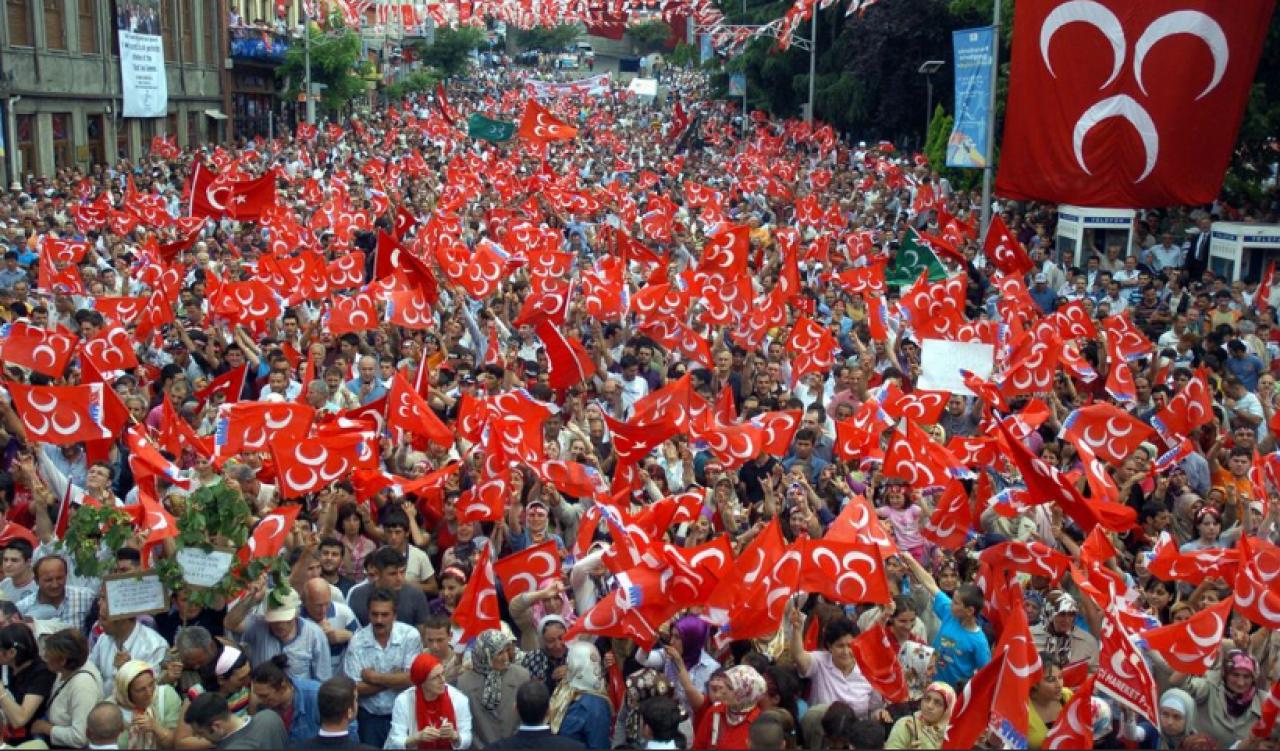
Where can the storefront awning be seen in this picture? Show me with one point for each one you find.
(216, 114)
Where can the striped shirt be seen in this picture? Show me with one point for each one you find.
(397, 656)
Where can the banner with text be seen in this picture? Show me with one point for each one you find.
(142, 74)
(967, 145)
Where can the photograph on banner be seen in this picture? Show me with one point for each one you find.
(967, 145)
(142, 70)
(941, 362)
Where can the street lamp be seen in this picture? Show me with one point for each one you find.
(927, 69)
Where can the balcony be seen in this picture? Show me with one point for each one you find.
(258, 45)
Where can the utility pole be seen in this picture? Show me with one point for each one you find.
(813, 59)
(991, 118)
(306, 56)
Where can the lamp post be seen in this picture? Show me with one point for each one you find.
(927, 69)
(813, 61)
(306, 56)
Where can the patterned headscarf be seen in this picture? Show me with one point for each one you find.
(746, 686)
(488, 645)
(584, 674)
(642, 685)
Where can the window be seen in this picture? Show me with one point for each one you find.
(55, 25)
(188, 17)
(88, 26)
(95, 133)
(26, 125)
(63, 153)
(19, 22)
(167, 23)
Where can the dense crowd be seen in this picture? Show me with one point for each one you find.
(661, 292)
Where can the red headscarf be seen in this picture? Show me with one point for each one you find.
(430, 713)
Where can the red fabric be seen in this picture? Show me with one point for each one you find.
(1091, 123)
(430, 713)
(728, 736)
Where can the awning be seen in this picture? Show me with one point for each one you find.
(216, 114)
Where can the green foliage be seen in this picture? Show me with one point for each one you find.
(335, 62)
(935, 146)
(417, 82)
(450, 52)
(649, 36)
(546, 38)
(92, 528)
(217, 516)
(1254, 152)
(685, 56)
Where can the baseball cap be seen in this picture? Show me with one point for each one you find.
(282, 609)
(1042, 279)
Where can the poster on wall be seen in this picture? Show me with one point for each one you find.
(142, 75)
(967, 145)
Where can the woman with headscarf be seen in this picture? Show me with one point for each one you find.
(684, 660)
(580, 707)
(430, 713)
(726, 725)
(927, 727)
(150, 709)
(490, 686)
(1227, 699)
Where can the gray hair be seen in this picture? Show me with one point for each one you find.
(194, 637)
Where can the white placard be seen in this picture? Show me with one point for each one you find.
(135, 594)
(643, 86)
(941, 362)
(142, 72)
(205, 568)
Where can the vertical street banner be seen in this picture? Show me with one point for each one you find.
(967, 145)
(142, 74)
(738, 84)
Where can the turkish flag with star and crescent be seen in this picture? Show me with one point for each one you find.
(1128, 104)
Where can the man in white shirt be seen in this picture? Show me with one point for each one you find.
(378, 660)
(634, 388)
(1166, 255)
(124, 639)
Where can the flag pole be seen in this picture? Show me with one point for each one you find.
(306, 53)
(991, 118)
(813, 52)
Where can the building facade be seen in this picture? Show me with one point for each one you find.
(60, 83)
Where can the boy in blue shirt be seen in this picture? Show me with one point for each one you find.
(962, 647)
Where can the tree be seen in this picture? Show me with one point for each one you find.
(450, 53)
(335, 63)
(649, 36)
(558, 37)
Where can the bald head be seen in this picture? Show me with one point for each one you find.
(317, 595)
(104, 725)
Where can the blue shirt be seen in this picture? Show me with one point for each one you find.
(376, 392)
(961, 652)
(588, 720)
(306, 711)
(1246, 368)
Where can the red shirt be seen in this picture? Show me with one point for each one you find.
(715, 723)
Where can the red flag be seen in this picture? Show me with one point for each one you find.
(1192, 645)
(1095, 129)
(305, 466)
(1004, 251)
(63, 415)
(527, 570)
(1111, 433)
(877, 655)
(1257, 585)
(230, 385)
(45, 352)
(1188, 409)
(446, 111)
(972, 714)
(845, 572)
(1074, 728)
(1033, 558)
(1122, 671)
(1262, 297)
(537, 124)
(570, 362)
(110, 349)
(248, 426)
(952, 518)
(269, 534)
(477, 609)
(408, 411)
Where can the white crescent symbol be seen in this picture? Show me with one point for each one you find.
(1125, 107)
(1184, 22)
(214, 190)
(53, 356)
(158, 522)
(69, 429)
(309, 461)
(550, 560)
(45, 407)
(31, 426)
(1120, 667)
(343, 467)
(276, 424)
(530, 583)
(718, 554)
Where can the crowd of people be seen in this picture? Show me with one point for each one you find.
(416, 613)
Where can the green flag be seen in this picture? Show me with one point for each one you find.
(479, 126)
(913, 257)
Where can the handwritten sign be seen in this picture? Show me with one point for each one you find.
(205, 568)
(134, 594)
